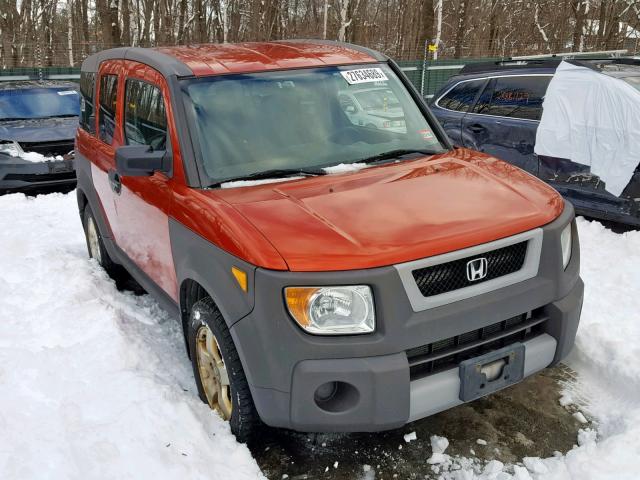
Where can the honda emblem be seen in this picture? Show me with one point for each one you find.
(477, 269)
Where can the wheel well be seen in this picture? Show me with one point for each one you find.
(190, 292)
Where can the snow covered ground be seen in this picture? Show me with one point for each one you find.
(94, 382)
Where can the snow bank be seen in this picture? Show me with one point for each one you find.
(95, 383)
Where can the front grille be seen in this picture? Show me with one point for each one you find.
(44, 177)
(446, 277)
(449, 352)
(49, 149)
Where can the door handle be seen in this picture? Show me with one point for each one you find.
(115, 182)
(476, 128)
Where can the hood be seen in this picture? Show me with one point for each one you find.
(397, 212)
(39, 130)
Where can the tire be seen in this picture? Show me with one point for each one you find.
(243, 417)
(95, 245)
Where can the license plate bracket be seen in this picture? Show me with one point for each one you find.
(480, 376)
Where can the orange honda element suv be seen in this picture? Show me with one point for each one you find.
(331, 271)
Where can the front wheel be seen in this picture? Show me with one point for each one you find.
(95, 245)
(218, 371)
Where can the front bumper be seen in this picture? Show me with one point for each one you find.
(17, 175)
(285, 366)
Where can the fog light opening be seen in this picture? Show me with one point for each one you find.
(325, 392)
(336, 397)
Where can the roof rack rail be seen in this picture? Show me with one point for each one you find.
(611, 53)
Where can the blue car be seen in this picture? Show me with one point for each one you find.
(38, 122)
(496, 108)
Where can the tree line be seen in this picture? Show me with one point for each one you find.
(63, 32)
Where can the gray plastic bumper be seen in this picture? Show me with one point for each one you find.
(439, 392)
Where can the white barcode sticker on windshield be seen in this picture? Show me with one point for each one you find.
(364, 75)
(67, 92)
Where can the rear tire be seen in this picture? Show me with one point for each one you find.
(95, 245)
(233, 400)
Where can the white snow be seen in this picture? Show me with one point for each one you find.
(346, 168)
(33, 157)
(253, 183)
(438, 446)
(94, 383)
(579, 416)
(410, 436)
(481, 441)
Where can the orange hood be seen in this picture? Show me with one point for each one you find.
(396, 212)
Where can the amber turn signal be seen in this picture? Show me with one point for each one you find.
(298, 303)
(241, 278)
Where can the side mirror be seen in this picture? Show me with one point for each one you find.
(139, 161)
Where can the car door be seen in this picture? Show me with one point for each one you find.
(505, 117)
(450, 107)
(98, 138)
(143, 203)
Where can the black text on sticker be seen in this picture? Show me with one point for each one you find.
(364, 75)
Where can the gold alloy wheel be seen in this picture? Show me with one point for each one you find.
(94, 240)
(213, 372)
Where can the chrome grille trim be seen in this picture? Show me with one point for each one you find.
(528, 270)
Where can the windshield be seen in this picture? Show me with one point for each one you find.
(30, 103)
(300, 119)
(633, 81)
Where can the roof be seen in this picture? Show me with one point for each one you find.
(218, 59)
(550, 63)
(25, 84)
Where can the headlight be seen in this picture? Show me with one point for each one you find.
(565, 241)
(332, 310)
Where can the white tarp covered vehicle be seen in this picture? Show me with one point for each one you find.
(593, 119)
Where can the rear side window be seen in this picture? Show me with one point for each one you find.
(145, 119)
(108, 100)
(461, 97)
(87, 105)
(516, 97)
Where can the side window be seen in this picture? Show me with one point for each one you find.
(145, 119)
(108, 100)
(87, 106)
(517, 97)
(461, 97)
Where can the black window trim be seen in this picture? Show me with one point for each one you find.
(93, 103)
(487, 79)
(98, 103)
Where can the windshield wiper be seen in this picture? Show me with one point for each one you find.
(62, 115)
(393, 154)
(274, 173)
